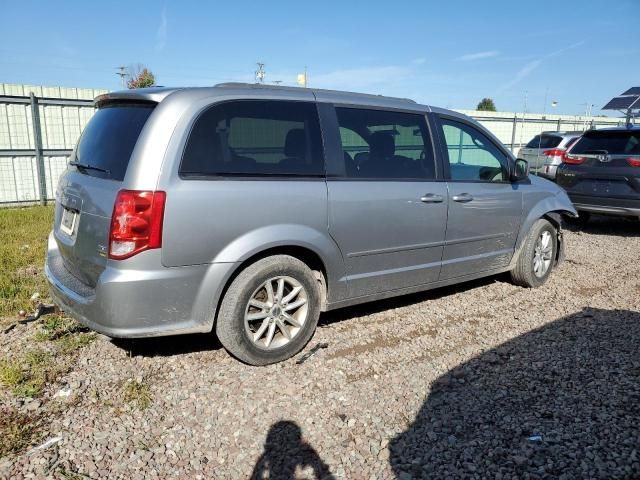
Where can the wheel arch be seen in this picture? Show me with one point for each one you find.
(305, 254)
(552, 209)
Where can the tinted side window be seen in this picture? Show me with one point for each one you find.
(255, 138)
(472, 156)
(544, 141)
(382, 144)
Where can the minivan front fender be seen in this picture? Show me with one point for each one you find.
(551, 207)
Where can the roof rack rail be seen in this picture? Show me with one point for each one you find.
(285, 87)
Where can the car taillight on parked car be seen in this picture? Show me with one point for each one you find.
(634, 161)
(555, 152)
(136, 224)
(572, 159)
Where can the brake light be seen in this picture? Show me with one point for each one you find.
(136, 224)
(572, 159)
(556, 152)
(634, 161)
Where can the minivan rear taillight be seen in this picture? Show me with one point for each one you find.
(634, 161)
(136, 224)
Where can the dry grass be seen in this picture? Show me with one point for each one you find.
(137, 393)
(22, 250)
(18, 430)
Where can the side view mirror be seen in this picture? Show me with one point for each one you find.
(520, 170)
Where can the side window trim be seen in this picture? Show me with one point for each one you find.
(331, 143)
(444, 154)
(257, 176)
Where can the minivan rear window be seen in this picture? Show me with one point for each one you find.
(108, 139)
(614, 142)
(544, 141)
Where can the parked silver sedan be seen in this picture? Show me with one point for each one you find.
(545, 152)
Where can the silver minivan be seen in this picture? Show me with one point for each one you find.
(248, 209)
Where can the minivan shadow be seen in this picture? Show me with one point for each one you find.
(561, 401)
(168, 346)
(371, 308)
(605, 225)
(201, 342)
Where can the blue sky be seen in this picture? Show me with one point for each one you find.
(445, 53)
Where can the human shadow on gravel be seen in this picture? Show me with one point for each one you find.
(562, 401)
(284, 452)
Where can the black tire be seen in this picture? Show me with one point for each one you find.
(523, 274)
(579, 221)
(230, 323)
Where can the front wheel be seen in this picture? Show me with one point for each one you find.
(270, 311)
(537, 256)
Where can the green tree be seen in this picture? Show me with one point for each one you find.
(486, 105)
(140, 77)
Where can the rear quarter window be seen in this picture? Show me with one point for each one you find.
(255, 138)
(108, 139)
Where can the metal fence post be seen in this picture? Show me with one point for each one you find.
(559, 122)
(513, 133)
(37, 143)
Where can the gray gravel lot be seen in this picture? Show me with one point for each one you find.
(480, 380)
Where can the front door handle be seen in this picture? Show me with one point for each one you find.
(432, 198)
(462, 198)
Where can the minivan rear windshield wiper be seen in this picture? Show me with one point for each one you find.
(86, 166)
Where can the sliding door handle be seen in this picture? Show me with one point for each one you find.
(462, 198)
(432, 198)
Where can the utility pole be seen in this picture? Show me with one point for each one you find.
(260, 73)
(524, 112)
(122, 74)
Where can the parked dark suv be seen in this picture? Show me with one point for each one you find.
(601, 173)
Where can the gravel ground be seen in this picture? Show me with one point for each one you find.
(480, 380)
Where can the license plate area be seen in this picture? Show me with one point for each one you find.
(68, 221)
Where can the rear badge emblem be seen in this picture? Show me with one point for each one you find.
(604, 158)
(102, 250)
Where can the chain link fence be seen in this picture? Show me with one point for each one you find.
(39, 127)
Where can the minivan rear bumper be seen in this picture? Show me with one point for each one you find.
(139, 303)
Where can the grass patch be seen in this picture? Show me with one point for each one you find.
(22, 253)
(54, 327)
(18, 431)
(71, 343)
(11, 373)
(137, 393)
(28, 375)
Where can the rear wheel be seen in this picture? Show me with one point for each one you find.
(270, 311)
(537, 256)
